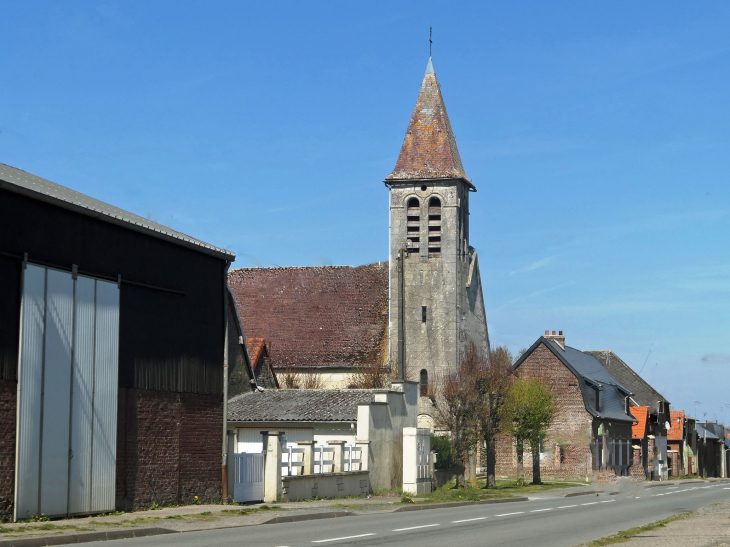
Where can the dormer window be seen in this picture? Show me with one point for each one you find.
(413, 226)
(434, 227)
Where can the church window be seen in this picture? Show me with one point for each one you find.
(413, 226)
(434, 227)
(424, 313)
(423, 384)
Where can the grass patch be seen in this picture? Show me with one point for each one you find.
(250, 510)
(626, 535)
(503, 489)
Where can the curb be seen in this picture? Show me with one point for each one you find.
(573, 494)
(454, 504)
(310, 516)
(86, 538)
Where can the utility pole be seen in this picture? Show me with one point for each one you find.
(401, 316)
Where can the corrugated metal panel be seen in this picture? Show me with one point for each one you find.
(56, 393)
(29, 404)
(105, 397)
(82, 401)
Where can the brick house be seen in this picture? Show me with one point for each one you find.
(126, 319)
(592, 431)
(654, 456)
(675, 443)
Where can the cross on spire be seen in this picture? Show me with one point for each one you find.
(430, 41)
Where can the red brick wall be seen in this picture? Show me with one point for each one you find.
(169, 448)
(8, 394)
(571, 428)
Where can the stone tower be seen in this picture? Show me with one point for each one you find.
(429, 220)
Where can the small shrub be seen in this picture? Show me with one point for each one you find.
(406, 499)
(442, 447)
(195, 500)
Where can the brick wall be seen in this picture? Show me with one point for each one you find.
(8, 393)
(571, 429)
(169, 448)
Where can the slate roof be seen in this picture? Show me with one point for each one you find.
(590, 374)
(705, 432)
(638, 430)
(429, 149)
(644, 394)
(322, 316)
(676, 433)
(21, 182)
(298, 405)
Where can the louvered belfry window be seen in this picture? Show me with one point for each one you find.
(434, 227)
(413, 226)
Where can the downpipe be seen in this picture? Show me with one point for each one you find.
(224, 458)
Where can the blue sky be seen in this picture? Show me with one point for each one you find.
(597, 135)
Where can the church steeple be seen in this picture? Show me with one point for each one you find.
(429, 150)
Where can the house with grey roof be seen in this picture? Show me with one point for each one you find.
(654, 447)
(359, 424)
(591, 434)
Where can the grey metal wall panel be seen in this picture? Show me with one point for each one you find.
(29, 403)
(56, 393)
(106, 377)
(82, 387)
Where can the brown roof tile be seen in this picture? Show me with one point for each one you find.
(429, 150)
(323, 316)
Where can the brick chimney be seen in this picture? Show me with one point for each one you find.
(559, 339)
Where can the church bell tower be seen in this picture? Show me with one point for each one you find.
(436, 307)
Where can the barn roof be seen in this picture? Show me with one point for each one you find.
(321, 316)
(429, 149)
(299, 405)
(21, 182)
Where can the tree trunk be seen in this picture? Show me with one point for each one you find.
(520, 469)
(535, 448)
(470, 473)
(491, 462)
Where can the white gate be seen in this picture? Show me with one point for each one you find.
(248, 480)
(67, 406)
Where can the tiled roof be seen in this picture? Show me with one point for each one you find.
(676, 433)
(638, 431)
(643, 393)
(265, 375)
(298, 405)
(255, 348)
(18, 181)
(429, 150)
(323, 316)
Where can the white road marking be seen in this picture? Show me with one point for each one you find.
(726, 488)
(608, 501)
(673, 487)
(655, 495)
(540, 510)
(415, 527)
(591, 503)
(467, 520)
(345, 537)
(508, 514)
(567, 506)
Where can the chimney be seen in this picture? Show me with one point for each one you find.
(559, 339)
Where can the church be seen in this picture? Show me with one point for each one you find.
(413, 315)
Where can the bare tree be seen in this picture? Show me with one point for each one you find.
(305, 379)
(370, 375)
(493, 379)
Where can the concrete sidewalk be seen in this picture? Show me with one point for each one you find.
(709, 527)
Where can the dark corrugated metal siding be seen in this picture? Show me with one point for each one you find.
(168, 342)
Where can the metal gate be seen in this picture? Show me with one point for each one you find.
(248, 480)
(67, 386)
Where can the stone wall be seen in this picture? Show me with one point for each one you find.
(8, 395)
(169, 448)
(567, 452)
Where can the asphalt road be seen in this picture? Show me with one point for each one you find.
(547, 522)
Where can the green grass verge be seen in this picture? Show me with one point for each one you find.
(626, 535)
(503, 489)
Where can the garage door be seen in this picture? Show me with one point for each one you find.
(67, 406)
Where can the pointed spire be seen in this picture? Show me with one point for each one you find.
(429, 150)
